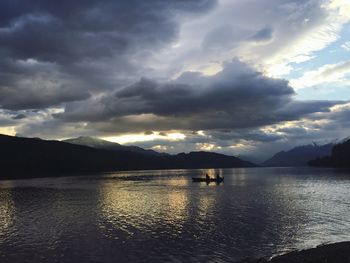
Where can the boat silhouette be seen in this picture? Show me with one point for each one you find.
(208, 179)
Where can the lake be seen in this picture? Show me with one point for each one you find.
(161, 216)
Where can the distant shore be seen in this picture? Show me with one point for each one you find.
(330, 253)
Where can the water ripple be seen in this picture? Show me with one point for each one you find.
(161, 216)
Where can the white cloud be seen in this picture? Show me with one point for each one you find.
(312, 38)
(207, 147)
(346, 46)
(297, 29)
(330, 73)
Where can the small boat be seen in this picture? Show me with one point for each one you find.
(209, 180)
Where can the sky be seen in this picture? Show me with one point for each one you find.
(241, 77)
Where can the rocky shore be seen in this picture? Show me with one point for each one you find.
(330, 253)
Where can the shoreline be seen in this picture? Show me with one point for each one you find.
(326, 253)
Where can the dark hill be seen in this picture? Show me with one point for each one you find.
(208, 160)
(26, 157)
(340, 157)
(299, 156)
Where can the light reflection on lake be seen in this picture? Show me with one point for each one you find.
(6, 212)
(157, 216)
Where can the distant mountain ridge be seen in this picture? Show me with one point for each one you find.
(299, 156)
(107, 145)
(28, 157)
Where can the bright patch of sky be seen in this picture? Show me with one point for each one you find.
(331, 86)
(326, 92)
(132, 138)
(332, 54)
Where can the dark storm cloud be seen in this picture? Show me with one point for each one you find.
(71, 30)
(28, 96)
(237, 90)
(88, 41)
(235, 98)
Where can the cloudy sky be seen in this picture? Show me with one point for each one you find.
(244, 77)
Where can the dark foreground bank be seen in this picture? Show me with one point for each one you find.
(331, 253)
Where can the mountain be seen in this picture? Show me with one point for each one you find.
(107, 145)
(202, 159)
(299, 156)
(340, 156)
(28, 157)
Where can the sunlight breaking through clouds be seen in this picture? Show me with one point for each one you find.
(131, 138)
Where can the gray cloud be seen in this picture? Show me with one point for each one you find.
(82, 41)
(67, 31)
(243, 134)
(235, 98)
(19, 117)
(223, 37)
(31, 96)
(6, 121)
(262, 35)
(9, 118)
(88, 57)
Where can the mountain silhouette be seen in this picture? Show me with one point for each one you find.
(29, 157)
(299, 156)
(340, 156)
(107, 145)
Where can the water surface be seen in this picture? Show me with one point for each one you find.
(161, 216)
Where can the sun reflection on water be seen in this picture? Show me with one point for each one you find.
(7, 211)
(129, 209)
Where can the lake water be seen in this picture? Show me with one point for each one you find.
(161, 216)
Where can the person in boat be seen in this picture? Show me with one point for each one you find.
(207, 177)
